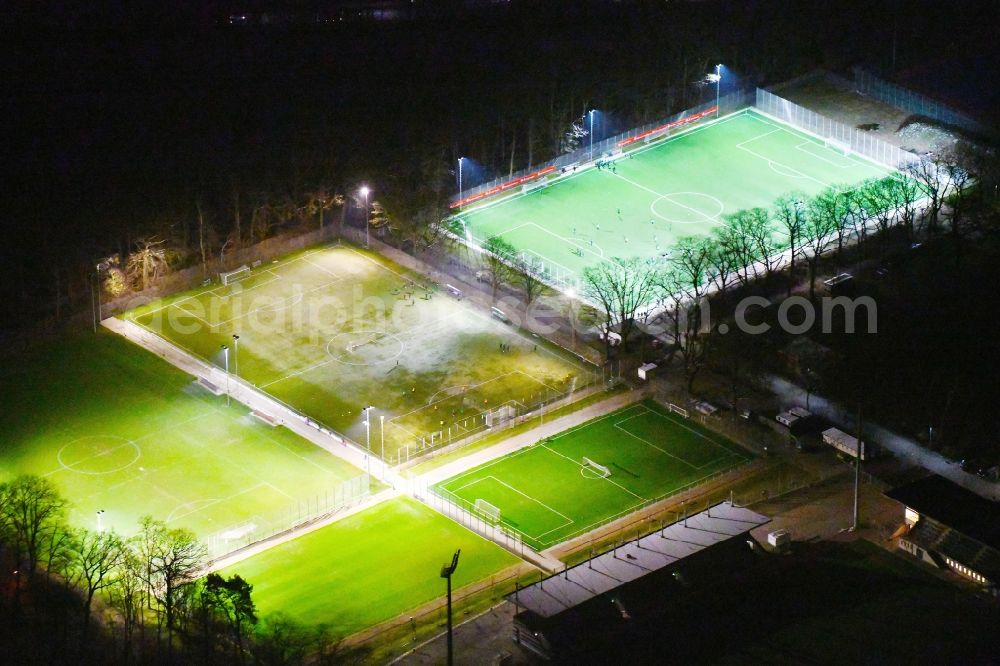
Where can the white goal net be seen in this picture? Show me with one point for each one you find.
(837, 145)
(487, 510)
(602, 470)
(677, 410)
(235, 275)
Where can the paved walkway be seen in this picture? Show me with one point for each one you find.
(902, 447)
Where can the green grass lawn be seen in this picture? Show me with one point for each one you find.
(546, 493)
(119, 430)
(369, 567)
(677, 187)
(332, 330)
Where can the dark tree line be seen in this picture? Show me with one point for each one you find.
(75, 595)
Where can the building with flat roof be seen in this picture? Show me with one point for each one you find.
(951, 528)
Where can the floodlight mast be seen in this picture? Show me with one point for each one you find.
(718, 84)
(225, 354)
(591, 113)
(460, 160)
(446, 572)
(364, 193)
(368, 432)
(236, 355)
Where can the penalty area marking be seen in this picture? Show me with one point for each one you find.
(346, 338)
(121, 444)
(673, 198)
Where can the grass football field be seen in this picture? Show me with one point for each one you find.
(549, 495)
(367, 568)
(332, 330)
(117, 429)
(680, 186)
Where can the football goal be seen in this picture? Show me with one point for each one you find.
(837, 145)
(235, 275)
(487, 510)
(602, 470)
(677, 410)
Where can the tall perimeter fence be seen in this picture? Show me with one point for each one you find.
(291, 517)
(608, 147)
(862, 143)
(867, 83)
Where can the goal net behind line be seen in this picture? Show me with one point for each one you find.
(677, 410)
(487, 510)
(235, 275)
(597, 467)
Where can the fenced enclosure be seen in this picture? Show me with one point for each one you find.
(728, 103)
(861, 143)
(867, 83)
(302, 512)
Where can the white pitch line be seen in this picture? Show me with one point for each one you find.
(708, 218)
(608, 479)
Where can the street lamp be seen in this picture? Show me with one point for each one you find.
(225, 355)
(236, 355)
(446, 571)
(364, 193)
(718, 84)
(591, 114)
(368, 431)
(381, 431)
(97, 289)
(100, 525)
(460, 160)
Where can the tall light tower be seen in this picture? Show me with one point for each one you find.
(718, 84)
(100, 522)
(381, 432)
(364, 193)
(460, 160)
(97, 290)
(236, 355)
(591, 114)
(225, 355)
(368, 433)
(446, 572)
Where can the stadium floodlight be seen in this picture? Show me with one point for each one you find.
(718, 83)
(225, 354)
(236, 355)
(591, 114)
(364, 193)
(460, 160)
(368, 432)
(100, 524)
(381, 432)
(446, 571)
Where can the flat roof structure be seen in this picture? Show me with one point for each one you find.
(566, 590)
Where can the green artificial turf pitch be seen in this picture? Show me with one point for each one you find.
(680, 186)
(547, 494)
(119, 430)
(330, 331)
(369, 567)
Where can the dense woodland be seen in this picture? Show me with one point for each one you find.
(166, 129)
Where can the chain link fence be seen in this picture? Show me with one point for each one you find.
(822, 127)
(288, 518)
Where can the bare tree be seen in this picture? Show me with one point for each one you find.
(905, 192)
(622, 287)
(758, 226)
(935, 183)
(96, 557)
(957, 171)
(830, 207)
(789, 211)
(722, 266)
(128, 595)
(527, 276)
(736, 242)
(150, 259)
(684, 284)
(31, 509)
(818, 235)
(878, 198)
(499, 256)
(231, 599)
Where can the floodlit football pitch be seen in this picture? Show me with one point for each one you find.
(330, 331)
(367, 568)
(549, 493)
(119, 431)
(676, 187)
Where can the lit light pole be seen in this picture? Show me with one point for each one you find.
(236, 355)
(591, 114)
(381, 432)
(460, 160)
(100, 524)
(368, 433)
(364, 193)
(718, 84)
(97, 290)
(446, 572)
(225, 354)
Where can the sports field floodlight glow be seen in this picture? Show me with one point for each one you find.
(236, 355)
(718, 84)
(100, 524)
(460, 160)
(591, 114)
(225, 355)
(446, 572)
(364, 193)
